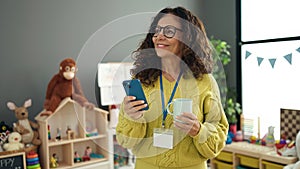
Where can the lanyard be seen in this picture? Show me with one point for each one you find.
(163, 97)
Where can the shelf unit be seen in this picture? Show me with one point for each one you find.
(88, 128)
(250, 155)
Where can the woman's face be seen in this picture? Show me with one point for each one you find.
(164, 46)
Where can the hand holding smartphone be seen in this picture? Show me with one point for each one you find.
(134, 88)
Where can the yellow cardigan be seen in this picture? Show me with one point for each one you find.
(187, 151)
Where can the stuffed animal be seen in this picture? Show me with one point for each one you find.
(4, 132)
(4, 128)
(65, 84)
(23, 125)
(14, 142)
(297, 164)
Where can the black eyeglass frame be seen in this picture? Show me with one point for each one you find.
(164, 28)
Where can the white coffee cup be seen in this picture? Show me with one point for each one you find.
(180, 105)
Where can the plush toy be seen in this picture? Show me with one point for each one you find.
(14, 142)
(4, 128)
(65, 84)
(23, 125)
(4, 132)
(297, 164)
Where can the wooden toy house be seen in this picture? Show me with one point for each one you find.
(71, 129)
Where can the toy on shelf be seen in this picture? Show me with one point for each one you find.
(230, 136)
(4, 132)
(94, 155)
(92, 133)
(285, 147)
(32, 160)
(290, 150)
(253, 139)
(54, 161)
(297, 164)
(70, 133)
(270, 140)
(14, 142)
(87, 154)
(280, 148)
(90, 129)
(71, 116)
(49, 133)
(88, 151)
(4, 128)
(24, 126)
(283, 139)
(90, 154)
(64, 84)
(238, 136)
(58, 134)
(77, 158)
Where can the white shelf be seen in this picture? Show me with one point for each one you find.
(80, 120)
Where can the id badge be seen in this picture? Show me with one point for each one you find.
(163, 138)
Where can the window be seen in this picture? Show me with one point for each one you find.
(270, 60)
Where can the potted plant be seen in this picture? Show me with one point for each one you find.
(222, 58)
(232, 110)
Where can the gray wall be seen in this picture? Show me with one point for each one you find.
(35, 35)
(220, 19)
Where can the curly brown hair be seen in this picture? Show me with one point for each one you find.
(196, 49)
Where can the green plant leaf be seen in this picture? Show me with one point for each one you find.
(222, 53)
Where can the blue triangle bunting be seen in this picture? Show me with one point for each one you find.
(288, 58)
(259, 60)
(272, 62)
(247, 54)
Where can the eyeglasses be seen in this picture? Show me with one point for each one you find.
(169, 31)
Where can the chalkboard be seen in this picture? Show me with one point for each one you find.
(13, 161)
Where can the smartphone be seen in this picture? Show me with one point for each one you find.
(134, 88)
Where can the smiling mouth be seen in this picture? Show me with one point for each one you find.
(161, 45)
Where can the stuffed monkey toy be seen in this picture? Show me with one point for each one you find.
(65, 84)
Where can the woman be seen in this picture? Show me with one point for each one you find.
(174, 61)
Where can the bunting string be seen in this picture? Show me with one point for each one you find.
(272, 61)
